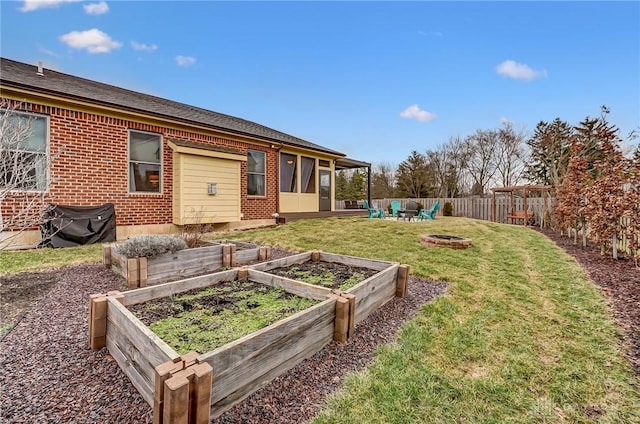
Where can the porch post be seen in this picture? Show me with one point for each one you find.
(369, 185)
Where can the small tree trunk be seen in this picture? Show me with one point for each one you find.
(615, 245)
(575, 236)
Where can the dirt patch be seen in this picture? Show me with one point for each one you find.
(327, 274)
(618, 280)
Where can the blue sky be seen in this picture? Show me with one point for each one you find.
(374, 80)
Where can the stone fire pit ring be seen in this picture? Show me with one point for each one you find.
(445, 240)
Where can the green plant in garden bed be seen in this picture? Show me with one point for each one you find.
(334, 276)
(204, 319)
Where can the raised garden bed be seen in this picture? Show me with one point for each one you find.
(249, 362)
(140, 272)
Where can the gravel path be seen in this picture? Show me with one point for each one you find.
(48, 373)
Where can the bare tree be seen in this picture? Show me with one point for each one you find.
(510, 155)
(24, 174)
(447, 164)
(481, 148)
(382, 181)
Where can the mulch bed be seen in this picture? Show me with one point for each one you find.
(618, 280)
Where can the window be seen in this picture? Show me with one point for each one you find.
(288, 164)
(24, 163)
(308, 174)
(256, 173)
(145, 166)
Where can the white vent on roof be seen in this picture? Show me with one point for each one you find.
(40, 69)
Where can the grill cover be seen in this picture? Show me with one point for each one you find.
(69, 226)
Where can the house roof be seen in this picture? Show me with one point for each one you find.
(21, 75)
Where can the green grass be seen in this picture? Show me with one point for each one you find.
(522, 336)
(42, 259)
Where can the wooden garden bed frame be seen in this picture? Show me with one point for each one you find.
(176, 385)
(140, 272)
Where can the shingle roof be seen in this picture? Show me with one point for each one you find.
(21, 75)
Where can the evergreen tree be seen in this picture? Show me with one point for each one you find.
(412, 177)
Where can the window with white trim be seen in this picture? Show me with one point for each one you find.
(256, 173)
(24, 161)
(145, 162)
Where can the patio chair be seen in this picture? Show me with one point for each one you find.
(395, 207)
(430, 214)
(409, 211)
(373, 212)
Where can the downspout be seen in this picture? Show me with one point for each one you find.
(278, 181)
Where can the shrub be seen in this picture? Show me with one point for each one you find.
(447, 209)
(150, 245)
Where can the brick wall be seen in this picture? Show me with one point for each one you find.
(89, 167)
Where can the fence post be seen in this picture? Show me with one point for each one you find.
(401, 281)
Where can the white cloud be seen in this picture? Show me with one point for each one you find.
(519, 71)
(185, 61)
(31, 5)
(143, 47)
(93, 41)
(96, 8)
(414, 112)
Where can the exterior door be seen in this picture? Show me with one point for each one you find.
(325, 190)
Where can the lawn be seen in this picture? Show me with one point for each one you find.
(522, 336)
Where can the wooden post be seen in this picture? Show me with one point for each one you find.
(341, 325)
(315, 255)
(243, 273)
(268, 252)
(182, 391)
(262, 253)
(352, 313)
(176, 401)
(201, 393)
(142, 272)
(233, 261)
(226, 255)
(132, 273)
(163, 373)
(189, 359)
(106, 255)
(97, 321)
(401, 281)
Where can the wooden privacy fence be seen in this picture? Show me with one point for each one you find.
(469, 207)
(173, 384)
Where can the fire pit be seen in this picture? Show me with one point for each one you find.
(445, 240)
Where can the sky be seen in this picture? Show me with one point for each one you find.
(374, 80)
